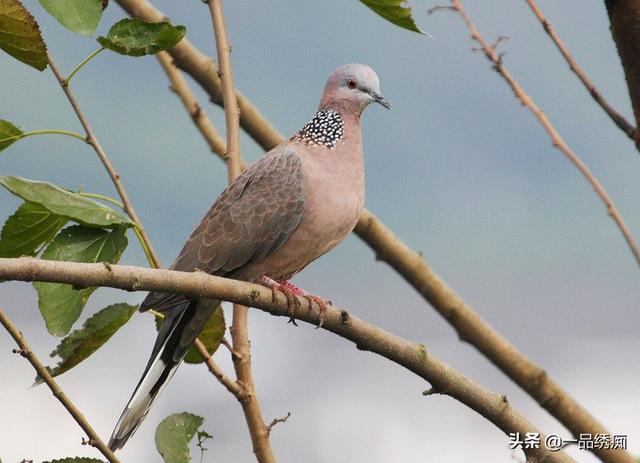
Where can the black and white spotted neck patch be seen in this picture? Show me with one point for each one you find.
(326, 128)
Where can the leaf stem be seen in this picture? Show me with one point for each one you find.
(81, 65)
(105, 198)
(145, 246)
(30, 133)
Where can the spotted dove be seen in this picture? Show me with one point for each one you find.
(286, 210)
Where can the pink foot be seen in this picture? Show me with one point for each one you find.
(290, 291)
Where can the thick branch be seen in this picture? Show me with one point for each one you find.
(414, 357)
(56, 390)
(617, 118)
(624, 16)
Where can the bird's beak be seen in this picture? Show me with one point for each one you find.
(380, 99)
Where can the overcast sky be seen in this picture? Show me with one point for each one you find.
(459, 170)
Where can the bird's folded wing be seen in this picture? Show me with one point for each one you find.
(252, 218)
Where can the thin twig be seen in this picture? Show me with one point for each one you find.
(181, 88)
(617, 118)
(556, 139)
(115, 177)
(275, 421)
(231, 385)
(56, 390)
(239, 330)
(364, 335)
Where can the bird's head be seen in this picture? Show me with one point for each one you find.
(353, 87)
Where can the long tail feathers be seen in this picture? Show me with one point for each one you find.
(178, 331)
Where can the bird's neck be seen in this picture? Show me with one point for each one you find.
(328, 127)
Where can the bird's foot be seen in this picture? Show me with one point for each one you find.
(289, 292)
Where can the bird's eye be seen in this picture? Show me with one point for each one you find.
(351, 83)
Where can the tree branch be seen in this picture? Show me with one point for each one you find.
(617, 118)
(204, 70)
(239, 330)
(115, 177)
(56, 390)
(556, 139)
(414, 357)
(624, 16)
(468, 323)
(198, 116)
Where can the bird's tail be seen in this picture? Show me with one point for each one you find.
(178, 331)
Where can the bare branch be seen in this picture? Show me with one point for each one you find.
(115, 177)
(624, 16)
(181, 88)
(275, 421)
(364, 335)
(617, 118)
(26, 352)
(556, 139)
(204, 70)
(232, 386)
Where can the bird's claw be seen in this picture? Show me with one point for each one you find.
(293, 303)
(322, 307)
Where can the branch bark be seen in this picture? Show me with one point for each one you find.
(388, 247)
(624, 16)
(414, 357)
(58, 393)
(615, 116)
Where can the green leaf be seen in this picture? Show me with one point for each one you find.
(211, 336)
(394, 11)
(20, 35)
(173, 435)
(95, 331)
(133, 37)
(75, 460)
(63, 202)
(61, 304)
(30, 227)
(9, 133)
(79, 16)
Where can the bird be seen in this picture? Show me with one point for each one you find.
(290, 207)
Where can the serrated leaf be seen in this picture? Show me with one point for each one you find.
(20, 35)
(211, 336)
(95, 331)
(63, 202)
(75, 460)
(173, 435)
(133, 37)
(30, 227)
(61, 304)
(396, 12)
(9, 133)
(79, 16)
